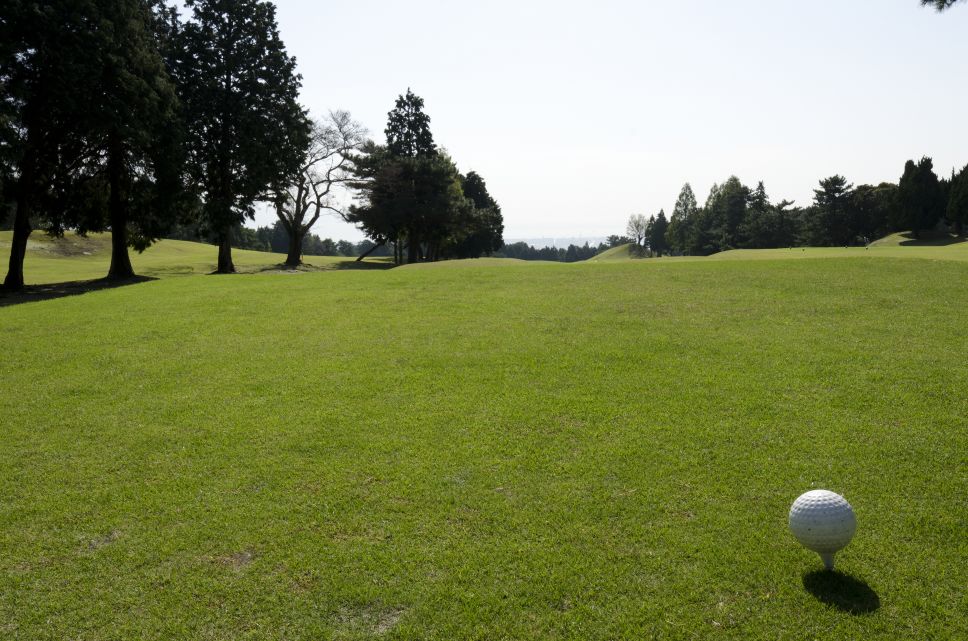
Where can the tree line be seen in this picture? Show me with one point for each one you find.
(123, 116)
(571, 254)
(413, 199)
(735, 216)
(276, 238)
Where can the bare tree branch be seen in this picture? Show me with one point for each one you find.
(300, 203)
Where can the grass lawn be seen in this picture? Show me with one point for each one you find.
(594, 451)
(82, 258)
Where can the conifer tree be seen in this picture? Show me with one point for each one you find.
(247, 132)
(132, 122)
(408, 128)
(957, 207)
(940, 5)
(832, 204)
(657, 237)
(45, 72)
(919, 196)
(682, 221)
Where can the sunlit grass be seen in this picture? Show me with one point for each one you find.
(590, 451)
(78, 258)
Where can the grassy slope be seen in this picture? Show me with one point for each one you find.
(615, 253)
(899, 245)
(589, 451)
(76, 258)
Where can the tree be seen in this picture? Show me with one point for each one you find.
(131, 123)
(408, 128)
(300, 202)
(636, 229)
(47, 65)
(919, 197)
(657, 237)
(409, 193)
(247, 134)
(683, 220)
(829, 224)
(939, 5)
(482, 232)
(873, 208)
(717, 227)
(957, 207)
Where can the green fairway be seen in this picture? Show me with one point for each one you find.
(604, 450)
(76, 258)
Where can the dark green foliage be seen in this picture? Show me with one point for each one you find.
(89, 122)
(940, 5)
(758, 228)
(481, 232)
(572, 253)
(919, 196)
(684, 219)
(246, 130)
(411, 195)
(48, 62)
(725, 211)
(130, 121)
(872, 210)
(658, 230)
(957, 208)
(832, 213)
(408, 128)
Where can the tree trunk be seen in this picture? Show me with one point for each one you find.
(371, 250)
(18, 248)
(225, 264)
(120, 260)
(413, 248)
(294, 258)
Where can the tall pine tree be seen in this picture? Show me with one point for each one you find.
(919, 196)
(683, 220)
(131, 120)
(247, 132)
(48, 61)
(957, 208)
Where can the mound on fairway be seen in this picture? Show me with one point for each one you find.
(558, 452)
(622, 252)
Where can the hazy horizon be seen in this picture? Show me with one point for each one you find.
(577, 115)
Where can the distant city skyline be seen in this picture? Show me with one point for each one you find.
(579, 115)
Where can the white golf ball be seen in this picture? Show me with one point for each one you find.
(824, 522)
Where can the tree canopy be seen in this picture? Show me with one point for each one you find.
(247, 132)
(940, 5)
(410, 194)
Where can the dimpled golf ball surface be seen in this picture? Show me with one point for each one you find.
(822, 521)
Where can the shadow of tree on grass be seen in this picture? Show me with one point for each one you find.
(842, 591)
(49, 291)
(931, 239)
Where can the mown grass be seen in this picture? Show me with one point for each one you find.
(622, 252)
(51, 260)
(592, 451)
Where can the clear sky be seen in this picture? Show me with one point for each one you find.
(578, 114)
